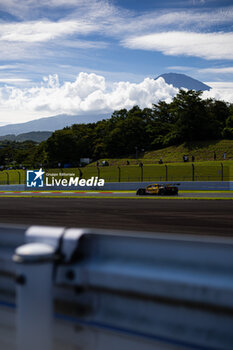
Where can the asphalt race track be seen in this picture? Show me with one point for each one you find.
(202, 217)
(116, 194)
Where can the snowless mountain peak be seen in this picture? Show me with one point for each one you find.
(183, 81)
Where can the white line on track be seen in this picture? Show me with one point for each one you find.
(65, 192)
(46, 192)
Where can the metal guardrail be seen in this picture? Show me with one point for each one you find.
(110, 290)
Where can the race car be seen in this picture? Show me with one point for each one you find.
(159, 189)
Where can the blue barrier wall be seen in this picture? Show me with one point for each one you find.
(184, 185)
(127, 186)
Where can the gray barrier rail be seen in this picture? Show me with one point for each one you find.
(97, 289)
(130, 186)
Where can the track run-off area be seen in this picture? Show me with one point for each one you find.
(227, 195)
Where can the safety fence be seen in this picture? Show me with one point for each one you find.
(163, 172)
(133, 173)
(11, 177)
(167, 172)
(99, 290)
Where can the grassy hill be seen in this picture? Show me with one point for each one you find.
(202, 151)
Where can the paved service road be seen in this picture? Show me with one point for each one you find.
(214, 217)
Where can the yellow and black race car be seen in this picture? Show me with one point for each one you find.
(159, 189)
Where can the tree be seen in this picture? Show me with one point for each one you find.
(193, 121)
(228, 130)
(61, 147)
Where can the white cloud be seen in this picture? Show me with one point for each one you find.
(7, 66)
(24, 9)
(201, 19)
(13, 80)
(109, 19)
(39, 31)
(220, 91)
(88, 93)
(220, 85)
(181, 68)
(222, 70)
(82, 44)
(206, 45)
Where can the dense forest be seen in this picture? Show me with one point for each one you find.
(187, 118)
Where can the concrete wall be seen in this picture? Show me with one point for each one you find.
(119, 186)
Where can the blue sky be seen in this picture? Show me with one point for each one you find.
(81, 56)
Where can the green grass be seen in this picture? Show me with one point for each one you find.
(202, 151)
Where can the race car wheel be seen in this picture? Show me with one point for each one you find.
(140, 192)
(161, 192)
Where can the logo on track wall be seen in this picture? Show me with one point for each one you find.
(35, 178)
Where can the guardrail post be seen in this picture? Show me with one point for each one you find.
(19, 177)
(7, 178)
(80, 173)
(193, 172)
(119, 174)
(34, 296)
(141, 172)
(166, 176)
(221, 172)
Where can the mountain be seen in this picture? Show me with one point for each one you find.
(50, 123)
(183, 81)
(36, 136)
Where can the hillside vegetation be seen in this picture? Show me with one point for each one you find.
(201, 150)
(35, 136)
